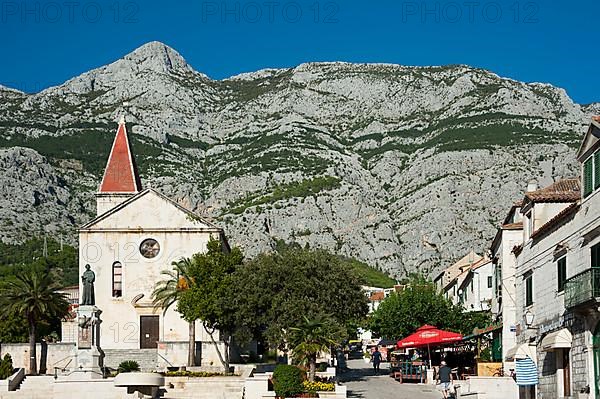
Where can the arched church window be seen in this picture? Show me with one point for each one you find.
(117, 281)
(149, 248)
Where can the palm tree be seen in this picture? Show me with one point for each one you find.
(33, 295)
(312, 337)
(169, 290)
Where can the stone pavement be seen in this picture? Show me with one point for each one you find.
(364, 384)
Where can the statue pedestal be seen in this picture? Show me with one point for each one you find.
(89, 355)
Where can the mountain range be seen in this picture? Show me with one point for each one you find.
(405, 168)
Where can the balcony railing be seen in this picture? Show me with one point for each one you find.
(582, 288)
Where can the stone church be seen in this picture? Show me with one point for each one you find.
(136, 234)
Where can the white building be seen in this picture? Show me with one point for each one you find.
(508, 236)
(476, 288)
(138, 233)
(558, 281)
(449, 280)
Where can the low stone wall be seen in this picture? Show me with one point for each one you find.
(175, 354)
(12, 382)
(490, 387)
(58, 355)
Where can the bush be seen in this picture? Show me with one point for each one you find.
(6, 367)
(287, 381)
(128, 366)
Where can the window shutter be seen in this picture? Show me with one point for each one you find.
(562, 273)
(597, 169)
(596, 256)
(588, 177)
(529, 290)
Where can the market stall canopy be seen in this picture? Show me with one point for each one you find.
(387, 342)
(521, 351)
(428, 336)
(560, 339)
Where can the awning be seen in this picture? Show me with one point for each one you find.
(526, 372)
(482, 331)
(557, 340)
(522, 351)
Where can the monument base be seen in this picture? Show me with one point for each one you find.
(90, 357)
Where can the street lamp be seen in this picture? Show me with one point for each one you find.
(529, 318)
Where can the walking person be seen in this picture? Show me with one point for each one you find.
(376, 359)
(444, 379)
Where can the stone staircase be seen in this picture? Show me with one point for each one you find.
(146, 358)
(32, 387)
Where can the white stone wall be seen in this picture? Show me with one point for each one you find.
(507, 308)
(58, 355)
(479, 294)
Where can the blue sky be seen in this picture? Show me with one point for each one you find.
(555, 41)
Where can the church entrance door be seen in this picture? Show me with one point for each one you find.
(148, 332)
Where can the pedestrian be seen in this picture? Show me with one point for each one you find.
(444, 379)
(376, 359)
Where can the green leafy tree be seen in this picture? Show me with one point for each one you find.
(61, 260)
(400, 314)
(208, 300)
(312, 337)
(275, 291)
(6, 367)
(32, 294)
(167, 291)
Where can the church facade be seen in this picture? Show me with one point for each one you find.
(136, 234)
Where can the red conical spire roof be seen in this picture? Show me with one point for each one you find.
(121, 174)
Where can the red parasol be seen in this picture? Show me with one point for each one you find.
(428, 336)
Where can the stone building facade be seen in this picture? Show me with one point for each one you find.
(557, 279)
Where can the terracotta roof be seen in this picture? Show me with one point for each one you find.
(482, 262)
(377, 296)
(512, 226)
(554, 221)
(565, 190)
(121, 174)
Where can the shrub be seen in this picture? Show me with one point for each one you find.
(287, 381)
(6, 367)
(128, 366)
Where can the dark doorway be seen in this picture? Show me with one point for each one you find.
(148, 332)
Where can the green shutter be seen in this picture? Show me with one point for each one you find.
(562, 273)
(597, 170)
(588, 177)
(596, 256)
(529, 290)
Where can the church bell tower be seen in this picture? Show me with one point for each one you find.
(121, 179)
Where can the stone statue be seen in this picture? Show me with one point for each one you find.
(88, 278)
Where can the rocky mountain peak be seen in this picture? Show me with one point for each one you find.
(158, 57)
